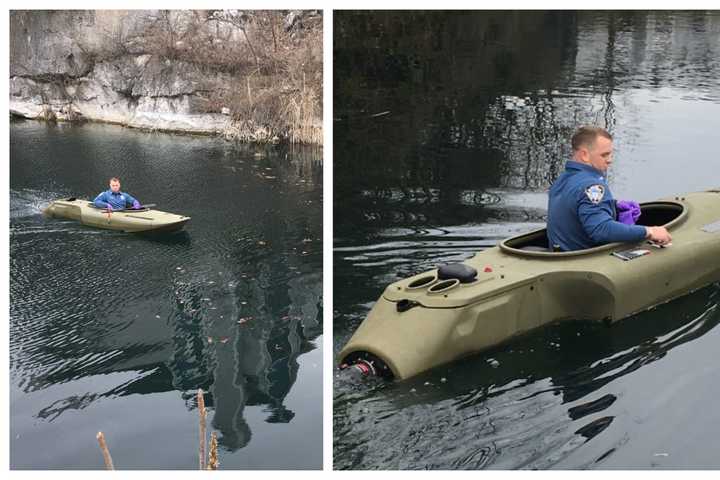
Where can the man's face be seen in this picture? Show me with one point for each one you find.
(599, 155)
(115, 186)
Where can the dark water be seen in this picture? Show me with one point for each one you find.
(449, 129)
(115, 332)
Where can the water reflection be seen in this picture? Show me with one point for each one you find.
(469, 99)
(228, 305)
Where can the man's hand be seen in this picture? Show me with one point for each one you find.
(136, 205)
(658, 235)
(628, 211)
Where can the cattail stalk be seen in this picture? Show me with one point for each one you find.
(106, 453)
(203, 415)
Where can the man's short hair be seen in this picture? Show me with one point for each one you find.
(586, 136)
(114, 179)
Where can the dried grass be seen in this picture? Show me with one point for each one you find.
(203, 434)
(276, 94)
(213, 462)
(212, 457)
(106, 453)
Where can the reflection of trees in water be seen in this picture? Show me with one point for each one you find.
(454, 100)
(238, 336)
(650, 49)
(297, 165)
(242, 325)
(248, 329)
(436, 74)
(304, 168)
(532, 138)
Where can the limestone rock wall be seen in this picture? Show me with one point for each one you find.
(104, 66)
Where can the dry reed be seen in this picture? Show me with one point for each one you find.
(106, 453)
(203, 416)
(213, 462)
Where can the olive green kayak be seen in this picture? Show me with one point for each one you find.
(456, 310)
(135, 221)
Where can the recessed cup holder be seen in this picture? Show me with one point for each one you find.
(444, 286)
(421, 282)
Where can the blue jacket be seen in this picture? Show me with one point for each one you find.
(118, 201)
(581, 211)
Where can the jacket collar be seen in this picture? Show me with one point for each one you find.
(573, 165)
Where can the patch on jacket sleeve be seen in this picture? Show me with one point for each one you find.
(595, 193)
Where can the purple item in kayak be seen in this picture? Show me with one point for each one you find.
(628, 211)
(136, 205)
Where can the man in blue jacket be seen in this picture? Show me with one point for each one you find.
(581, 208)
(114, 199)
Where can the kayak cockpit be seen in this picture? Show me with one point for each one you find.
(127, 210)
(535, 243)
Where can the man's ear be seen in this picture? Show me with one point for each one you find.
(584, 154)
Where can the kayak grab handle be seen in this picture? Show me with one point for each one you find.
(404, 305)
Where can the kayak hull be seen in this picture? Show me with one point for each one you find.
(417, 324)
(133, 221)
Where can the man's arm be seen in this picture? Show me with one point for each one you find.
(100, 201)
(129, 199)
(599, 223)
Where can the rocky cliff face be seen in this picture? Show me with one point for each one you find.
(127, 67)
